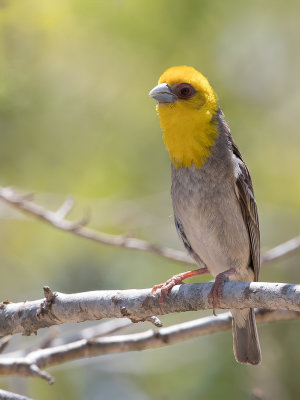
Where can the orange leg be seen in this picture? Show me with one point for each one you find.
(175, 280)
(216, 292)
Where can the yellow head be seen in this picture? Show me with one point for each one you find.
(186, 107)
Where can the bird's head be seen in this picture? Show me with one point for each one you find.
(186, 104)
(183, 87)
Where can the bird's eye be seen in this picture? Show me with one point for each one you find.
(185, 91)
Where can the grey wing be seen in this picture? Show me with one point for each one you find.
(183, 237)
(186, 243)
(248, 206)
(245, 194)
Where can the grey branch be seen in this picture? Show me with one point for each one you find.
(102, 329)
(4, 395)
(279, 252)
(4, 342)
(139, 305)
(58, 220)
(42, 358)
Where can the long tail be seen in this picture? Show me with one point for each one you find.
(245, 339)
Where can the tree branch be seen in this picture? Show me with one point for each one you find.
(138, 305)
(43, 358)
(4, 395)
(4, 342)
(57, 220)
(102, 329)
(280, 252)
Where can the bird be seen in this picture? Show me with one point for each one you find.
(214, 207)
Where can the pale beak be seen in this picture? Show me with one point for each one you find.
(162, 93)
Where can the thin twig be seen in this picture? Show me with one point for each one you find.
(57, 220)
(4, 342)
(280, 252)
(138, 305)
(100, 330)
(4, 395)
(43, 358)
(52, 339)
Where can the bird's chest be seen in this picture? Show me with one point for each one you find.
(205, 203)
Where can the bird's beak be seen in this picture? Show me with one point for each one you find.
(162, 93)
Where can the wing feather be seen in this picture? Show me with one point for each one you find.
(248, 206)
(186, 243)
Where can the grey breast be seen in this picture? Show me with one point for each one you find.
(207, 211)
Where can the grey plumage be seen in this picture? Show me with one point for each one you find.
(216, 217)
(245, 339)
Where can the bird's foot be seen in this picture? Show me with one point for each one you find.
(166, 287)
(216, 292)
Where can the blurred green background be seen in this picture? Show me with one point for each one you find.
(75, 118)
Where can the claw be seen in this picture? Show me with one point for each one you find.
(166, 287)
(216, 292)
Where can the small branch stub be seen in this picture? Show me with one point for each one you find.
(46, 305)
(153, 319)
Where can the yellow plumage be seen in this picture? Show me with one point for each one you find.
(189, 127)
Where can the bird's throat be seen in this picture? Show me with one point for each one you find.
(189, 134)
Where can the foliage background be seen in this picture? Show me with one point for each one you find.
(75, 118)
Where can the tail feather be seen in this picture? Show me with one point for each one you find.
(245, 338)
